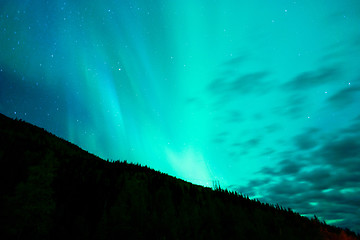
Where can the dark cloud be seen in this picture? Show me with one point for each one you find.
(346, 179)
(243, 148)
(218, 85)
(304, 195)
(253, 142)
(353, 129)
(306, 141)
(293, 107)
(234, 62)
(251, 82)
(320, 178)
(346, 96)
(325, 182)
(288, 167)
(248, 144)
(310, 79)
(250, 188)
(357, 119)
(259, 182)
(268, 171)
(320, 173)
(285, 167)
(315, 175)
(337, 152)
(288, 188)
(267, 152)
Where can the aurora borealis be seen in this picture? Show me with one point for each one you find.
(262, 96)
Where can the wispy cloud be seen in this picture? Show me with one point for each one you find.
(244, 84)
(325, 182)
(346, 96)
(314, 78)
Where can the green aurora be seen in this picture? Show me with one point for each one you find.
(262, 96)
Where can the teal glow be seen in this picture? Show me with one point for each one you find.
(253, 94)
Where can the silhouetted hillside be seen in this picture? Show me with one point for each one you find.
(51, 189)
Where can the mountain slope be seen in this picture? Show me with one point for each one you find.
(51, 189)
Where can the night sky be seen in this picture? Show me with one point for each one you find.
(262, 96)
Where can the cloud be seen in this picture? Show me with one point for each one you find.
(315, 175)
(247, 83)
(288, 188)
(308, 197)
(314, 78)
(338, 152)
(357, 119)
(353, 129)
(321, 176)
(235, 62)
(294, 106)
(218, 85)
(251, 82)
(306, 141)
(243, 148)
(288, 167)
(253, 142)
(318, 169)
(346, 96)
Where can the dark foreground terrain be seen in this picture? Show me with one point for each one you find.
(51, 189)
